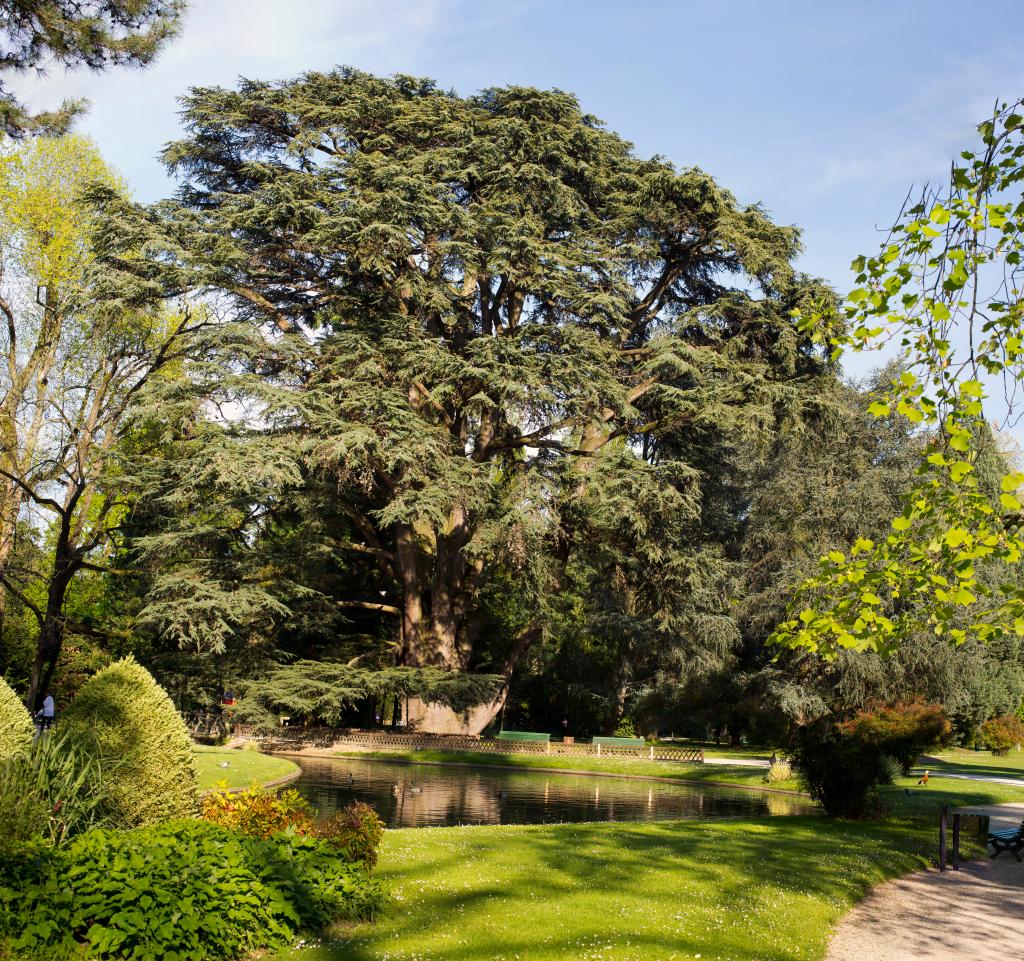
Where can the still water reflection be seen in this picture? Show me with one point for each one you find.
(407, 795)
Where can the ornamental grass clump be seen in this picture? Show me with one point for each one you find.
(16, 727)
(122, 713)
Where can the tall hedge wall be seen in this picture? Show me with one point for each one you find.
(16, 727)
(124, 715)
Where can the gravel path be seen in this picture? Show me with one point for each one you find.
(975, 914)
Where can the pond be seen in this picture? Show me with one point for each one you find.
(408, 795)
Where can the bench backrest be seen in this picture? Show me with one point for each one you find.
(522, 736)
(619, 741)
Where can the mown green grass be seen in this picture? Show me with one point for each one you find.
(245, 768)
(723, 773)
(961, 761)
(767, 890)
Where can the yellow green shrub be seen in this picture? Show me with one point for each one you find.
(122, 714)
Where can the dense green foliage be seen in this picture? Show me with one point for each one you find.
(510, 418)
(181, 889)
(839, 771)
(123, 713)
(16, 728)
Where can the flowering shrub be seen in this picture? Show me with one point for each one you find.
(1002, 733)
(259, 813)
(902, 731)
(356, 831)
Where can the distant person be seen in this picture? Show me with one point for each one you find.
(565, 726)
(46, 713)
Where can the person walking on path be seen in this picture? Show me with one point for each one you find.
(46, 714)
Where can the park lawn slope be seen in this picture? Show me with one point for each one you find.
(767, 890)
(636, 767)
(245, 768)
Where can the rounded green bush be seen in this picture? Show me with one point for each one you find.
(16, 727)
(123, 715)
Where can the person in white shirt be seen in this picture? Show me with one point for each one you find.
(45, 716)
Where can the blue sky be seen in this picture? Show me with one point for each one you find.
(825, 112)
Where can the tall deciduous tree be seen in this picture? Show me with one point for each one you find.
(35, 34)
(479, 314)
(72, 360)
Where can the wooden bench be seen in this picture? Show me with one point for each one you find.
(522, 736)
(1011, 839)
(619, 741)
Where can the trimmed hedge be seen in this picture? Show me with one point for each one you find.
(122, 713)
(185, 889)
(16, 727)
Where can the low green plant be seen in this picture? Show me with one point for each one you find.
(16, 727)
(122, 712)
(625, 728)
(183, 889)
(1002, 733)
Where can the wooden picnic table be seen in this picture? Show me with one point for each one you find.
(1012, 812)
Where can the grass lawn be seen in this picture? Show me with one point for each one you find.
(737, 891)
(741, 776)
(962, 761)
(766, 890)
(244, 769)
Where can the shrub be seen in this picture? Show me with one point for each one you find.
(902, 731)
(122, 712)
(258, 813)
(16, 727)
(840, 772)
(184, 889)
(625, 728)
(1002, 733)
(356, 832)
(53, 792)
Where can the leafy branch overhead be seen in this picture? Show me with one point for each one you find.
(946, 290)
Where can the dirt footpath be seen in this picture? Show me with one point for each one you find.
(975, 914)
